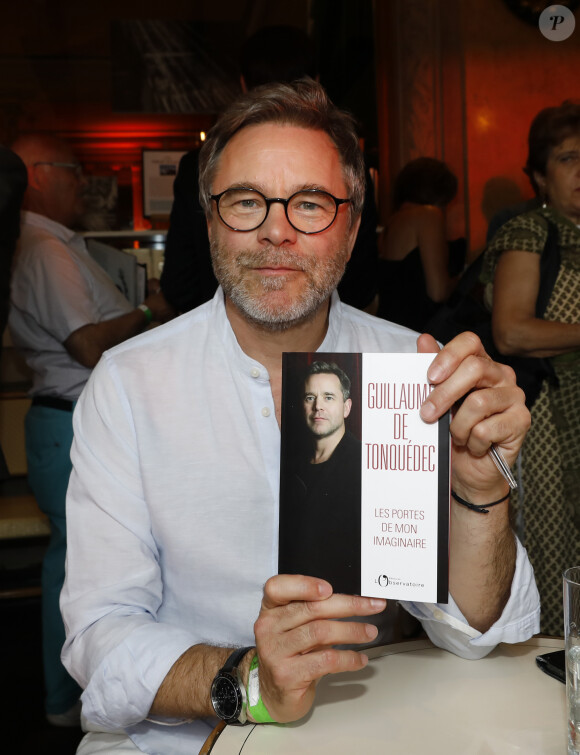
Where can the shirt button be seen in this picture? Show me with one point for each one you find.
(438, 614)
(255, 372)
(265, 412)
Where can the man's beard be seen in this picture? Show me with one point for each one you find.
(251, 293)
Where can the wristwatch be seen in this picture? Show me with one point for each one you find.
(228, 693)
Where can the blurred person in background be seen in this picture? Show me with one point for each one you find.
(415, 275)
(549, 505)
(64, 312)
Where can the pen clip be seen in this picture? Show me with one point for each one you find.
(502, 465)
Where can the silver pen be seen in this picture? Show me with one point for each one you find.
(502, 465)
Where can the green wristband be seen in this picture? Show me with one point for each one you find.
(147, 312)
(256, 708)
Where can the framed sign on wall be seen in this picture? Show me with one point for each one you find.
(159, 171)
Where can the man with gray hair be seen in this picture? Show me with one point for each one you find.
(173, 501)
(64, 312)
(188, 279)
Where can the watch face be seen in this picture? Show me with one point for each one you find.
(226, 697)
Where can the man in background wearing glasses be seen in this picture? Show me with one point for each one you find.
(64, 312)
(173, 500)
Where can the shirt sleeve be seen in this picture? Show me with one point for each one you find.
(51, 288)
(523, 233)
(115, 647)
(447, 627)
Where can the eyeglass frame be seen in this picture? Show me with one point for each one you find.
(270, 200)
(77, 167)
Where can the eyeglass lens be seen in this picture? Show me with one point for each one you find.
(307, 211)
(77, 167)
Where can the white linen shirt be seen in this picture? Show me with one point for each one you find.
(172, 515)
(56, 288)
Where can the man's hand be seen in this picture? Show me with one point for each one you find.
(160, 308)
(488, 408)
(153, 286)
(295, 634)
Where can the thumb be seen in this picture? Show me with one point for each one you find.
(426, 344)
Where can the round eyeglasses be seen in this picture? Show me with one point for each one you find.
(77, 167)
(307, 211)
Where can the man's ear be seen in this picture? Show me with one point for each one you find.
(351, 235)
(347, 407)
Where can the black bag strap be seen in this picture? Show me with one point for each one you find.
(549, 268)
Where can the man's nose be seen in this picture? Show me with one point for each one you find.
(276, 229)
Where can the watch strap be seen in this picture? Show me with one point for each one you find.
(235, 658)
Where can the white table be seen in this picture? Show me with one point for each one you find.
(415, 699)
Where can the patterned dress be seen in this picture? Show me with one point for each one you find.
(548, 504)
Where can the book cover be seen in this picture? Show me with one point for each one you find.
(364, 482)
(122, 267)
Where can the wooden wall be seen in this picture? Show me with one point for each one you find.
(461, 80)
(55, 55)
(511, 72)
(56, 69)
(458, 79)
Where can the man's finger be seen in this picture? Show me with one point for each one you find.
(287, 588)
(298, 613)
(452, 354)
(426, 344)
(472, 373)
(308, 668)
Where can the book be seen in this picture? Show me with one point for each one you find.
(364, 482)
(124, 269)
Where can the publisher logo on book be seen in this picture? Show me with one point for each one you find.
(383, 580)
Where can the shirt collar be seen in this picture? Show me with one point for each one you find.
(335, 317)
(245, 363)
(41, 221)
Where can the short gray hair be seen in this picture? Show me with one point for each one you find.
(303, 103)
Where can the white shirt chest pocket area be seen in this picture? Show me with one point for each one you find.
(210, 488)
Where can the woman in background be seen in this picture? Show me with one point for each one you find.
(549, 502)
(414, 277)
